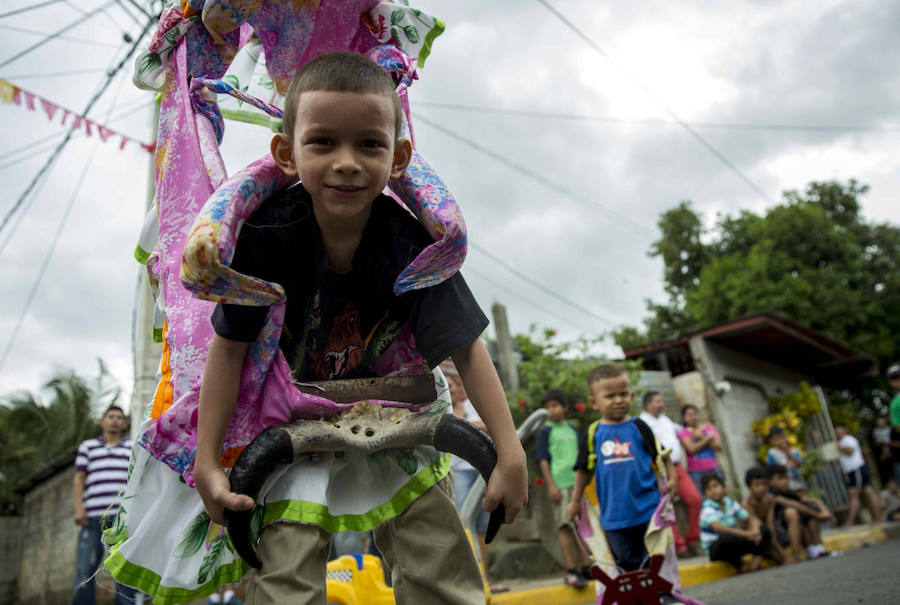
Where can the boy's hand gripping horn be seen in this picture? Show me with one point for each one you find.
(364, 428)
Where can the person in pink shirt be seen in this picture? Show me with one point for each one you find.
(700, 442)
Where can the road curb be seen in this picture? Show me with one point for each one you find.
(693, 573)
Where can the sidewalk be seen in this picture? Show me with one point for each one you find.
(697, 570)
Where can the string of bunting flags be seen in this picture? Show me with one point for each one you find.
(10, 94)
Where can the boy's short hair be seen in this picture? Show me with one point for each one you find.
(775, 430)
(648, 397)
(708, 478)
(339, 72)
(753, 473)
(554, 395)
(603, 371)
(689, 406)
(775, 470)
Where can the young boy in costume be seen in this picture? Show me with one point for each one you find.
(760, 502)
(621, 456)
(336, 245)
(557, 451)
(727, 530)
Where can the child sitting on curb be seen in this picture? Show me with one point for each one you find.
(727, 530)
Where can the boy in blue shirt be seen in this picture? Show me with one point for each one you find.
(557, 451)
(620, 453)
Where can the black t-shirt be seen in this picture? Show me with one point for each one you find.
(895, 451)
(337, 324)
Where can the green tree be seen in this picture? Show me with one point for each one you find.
(551, 364)
(813, 258)
(35, 428)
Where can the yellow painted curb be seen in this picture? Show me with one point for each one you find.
(547, 595)
(852, 539)
(691, 575)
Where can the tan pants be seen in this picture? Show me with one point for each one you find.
(425, 546)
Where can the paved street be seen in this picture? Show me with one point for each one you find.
(868, 575)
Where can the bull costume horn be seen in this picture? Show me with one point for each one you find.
(364, 428)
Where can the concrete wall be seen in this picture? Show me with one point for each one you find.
(10, 551)
(743, 400)
(49, 536)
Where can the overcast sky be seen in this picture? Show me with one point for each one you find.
(573, 206)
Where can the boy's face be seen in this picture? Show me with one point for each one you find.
(714, 490)
(895, 383)
(343, 150)
(759, 487)
(840, 432)
(457, 390)
(881, 422)
(779, 441)
(779, 482)
(556, 411)
(612, 397)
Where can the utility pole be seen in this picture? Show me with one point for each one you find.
(509, 374)
(147, 354)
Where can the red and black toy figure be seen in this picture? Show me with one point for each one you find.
(639, 587)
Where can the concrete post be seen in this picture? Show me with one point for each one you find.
(509, 374)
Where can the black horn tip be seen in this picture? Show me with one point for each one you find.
(269, 449)
(494, 523)
(238, 524)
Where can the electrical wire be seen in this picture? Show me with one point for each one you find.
(696, 135)
(28, 8)
(59, 229)
(34, 32)
(469, 270)
(112, 74)
(15, 226)
(652, 121)
(132, 106)
(50, 37)
(640, 229)
(539, 285)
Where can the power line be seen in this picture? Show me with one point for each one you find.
(56, 74)
(34, 32)
(652, 121)
(540, 286)
(47, 258)
(15, 226)
(50, 37)
(132, 106)
(469, 270)
(112, 74)
(535, 175)
(697, 136)
(62, 223)
(28, 8)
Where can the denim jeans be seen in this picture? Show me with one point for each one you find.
(90, 554)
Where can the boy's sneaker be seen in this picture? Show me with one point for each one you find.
(574, 579)
(586, 573)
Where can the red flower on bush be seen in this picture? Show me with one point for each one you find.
(522, 404)
(579, 407)
(539, 481)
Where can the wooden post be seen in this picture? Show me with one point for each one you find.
(509, 374)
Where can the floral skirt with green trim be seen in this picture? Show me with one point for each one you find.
(164, 543)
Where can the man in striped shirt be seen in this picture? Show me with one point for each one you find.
(101, 471)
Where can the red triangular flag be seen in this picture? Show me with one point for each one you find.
(149, 147)
(104, 132)
(29, 100)
(87, 126)
(65, 115)
(17, 96)
(77, 123)
(49, 108)
(124, 140)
